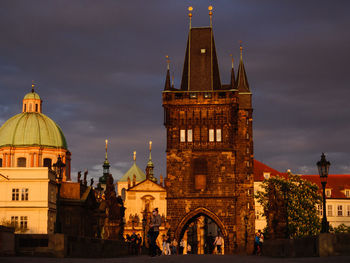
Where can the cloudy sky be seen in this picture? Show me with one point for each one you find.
(100, 68)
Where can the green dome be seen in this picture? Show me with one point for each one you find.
(31, 129)
(32, 95)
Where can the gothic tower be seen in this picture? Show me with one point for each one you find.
(209, 146)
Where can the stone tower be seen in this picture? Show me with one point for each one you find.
(210, 146)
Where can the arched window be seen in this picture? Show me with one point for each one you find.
(47, 162)
(21, 162)
(0, 162)
(36, 107)
(123, 193)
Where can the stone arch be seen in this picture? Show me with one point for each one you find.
(194, 213)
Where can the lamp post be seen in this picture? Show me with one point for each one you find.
(323, 168)
(246, 230)
(59, 165)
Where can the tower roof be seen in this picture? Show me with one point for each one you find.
(201, 70)
(134, 170)
(242, 80)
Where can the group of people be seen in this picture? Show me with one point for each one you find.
(134, 243)
(258, 243)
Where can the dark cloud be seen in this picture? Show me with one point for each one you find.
(100, 69)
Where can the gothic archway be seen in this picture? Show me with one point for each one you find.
(199, 229)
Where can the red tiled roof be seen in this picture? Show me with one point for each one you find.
(338, 183)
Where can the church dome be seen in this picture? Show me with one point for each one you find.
(32, 96)
(31, 129)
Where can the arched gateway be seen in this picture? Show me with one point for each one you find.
(199, 229)
(210, 147)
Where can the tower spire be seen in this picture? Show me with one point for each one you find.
(190, 9)
(134, 156)
(233, 82)
(150, 166)
(33, 85)
(210, 8)
(167, 78)
(242, 80)
(106, 141)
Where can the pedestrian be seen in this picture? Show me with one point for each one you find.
(256, 243)
(174, 247)
(189, 248)
(139, 244)
(182, 247)
(167, 245)
(133, 243)
(261, 241)
(218, 243)
(154, 231)
(164, 245)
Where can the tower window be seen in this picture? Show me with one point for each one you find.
(21, 162)
(36, 107)
(47, 162)
(211, 135)
(203, 51)
(182, 135)
(218, 135)
(189, 135)
(25, 107)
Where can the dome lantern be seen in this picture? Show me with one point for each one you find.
(32, 102)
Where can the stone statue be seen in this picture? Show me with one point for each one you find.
(91, 181)
(79, 176)
(85, 177)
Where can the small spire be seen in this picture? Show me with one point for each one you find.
(210, 8)
(242, 80)
(233, 82)
(33, 86)
(150, 150)
(167, 78)
(241, 49)
(134, 156)
(190, 9)
(106, 141)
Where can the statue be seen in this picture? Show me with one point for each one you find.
(79, 176)
(85, 176)
(115, 211)
(91, 181)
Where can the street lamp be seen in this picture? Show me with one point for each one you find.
(58, 166)
(323, 168)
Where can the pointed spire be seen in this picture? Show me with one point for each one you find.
(167, 78)
(150, 152)
(242, 80)
(233, 82)
(150, 166)
(106, 141)
(134, 156)
(190, 9)
(210, 8)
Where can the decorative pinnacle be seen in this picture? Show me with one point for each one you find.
(210, 8)
(33, 85)
(241, 48)
(150, 145)
(167, 62)
(106, 141)
(134, 156)
(190, 9)
(232, 60)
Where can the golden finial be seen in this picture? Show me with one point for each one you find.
(231, 60)
(134, 156)
(150, 145)
(33, 85)
(106, 141)
(190, 9)
(167, 62)
(210, 8)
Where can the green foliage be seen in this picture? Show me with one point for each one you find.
(299, 199)
(342, 228)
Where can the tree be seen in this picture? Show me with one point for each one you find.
(290, 204)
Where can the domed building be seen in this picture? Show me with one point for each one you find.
(31, 139)
(30, 143)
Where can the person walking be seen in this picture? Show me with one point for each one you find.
(174, 245)
(139, 244)
(154, 231)
(218, 243)
(182, 247)
(261, 241)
